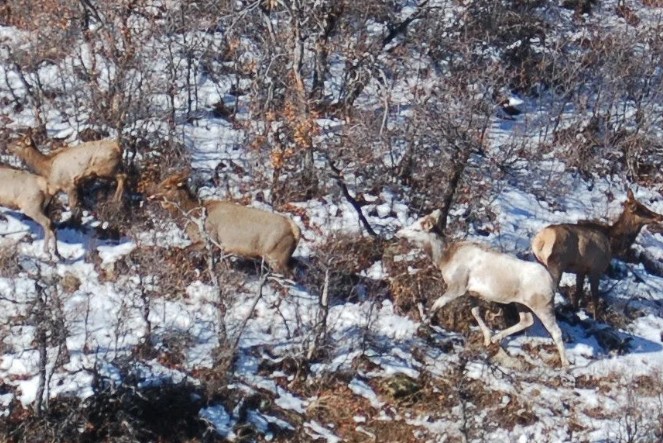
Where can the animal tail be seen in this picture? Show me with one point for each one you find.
(539, 249)
(295, 230)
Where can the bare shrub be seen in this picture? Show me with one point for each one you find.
(345, 256)
(642, 157)
(580, 6)
(9, 265)
(408, 289)
(636, 420)
(518, 33)
(171, 270)
(51, 25)
(166, 411)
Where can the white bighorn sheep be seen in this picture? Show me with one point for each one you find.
(30, 194)
(237, 229)
(586, 248)
(65, 169)
(474, 269)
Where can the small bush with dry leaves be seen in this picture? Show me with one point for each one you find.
(129, 412)
(9, 265)
(410, 289)
(171, 270)
(345, 256)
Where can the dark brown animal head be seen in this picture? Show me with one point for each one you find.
(639, 213)
(625, 230)
(21, 144)
(173, 191)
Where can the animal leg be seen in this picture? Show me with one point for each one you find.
(556, 275)
(456, 287)
(72, 195)
(49, 233)
(120, 179)
(594, 287)
(74, 204)
(450, 295)
(580, 282)
(279, 256)
(278, 266)
(526, 320)
(482, 325)
(547, 317)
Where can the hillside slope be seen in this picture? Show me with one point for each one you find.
(354, 119)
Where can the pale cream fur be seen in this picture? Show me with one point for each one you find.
(475, 269)
(237, 229)
(66, 168)
(30, 194)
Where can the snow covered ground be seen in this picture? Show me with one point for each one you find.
(104, 320)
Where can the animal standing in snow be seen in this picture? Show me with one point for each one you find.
(586, 248)
(30, 194)
(474, 269)
(65, 169)
(237, 229)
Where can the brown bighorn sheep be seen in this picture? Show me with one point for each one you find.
(474, 269)
(237, 229)
(28, 193)
(586, 248)
(65, 169)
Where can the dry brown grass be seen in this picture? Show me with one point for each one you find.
(602, 384)
(9, 260)
(345, 256)
(339, 406)
(51, 13)
(70, 283)
(173, 269)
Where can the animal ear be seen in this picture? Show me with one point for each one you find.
(27, 137)
(435, 216)
(629, 195)
(427, 224)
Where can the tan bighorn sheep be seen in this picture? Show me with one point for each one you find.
(237, 229)
(65, 169)
(586, 248)
(474, 269)
(28, 193)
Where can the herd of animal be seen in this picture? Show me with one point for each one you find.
(583, 248)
